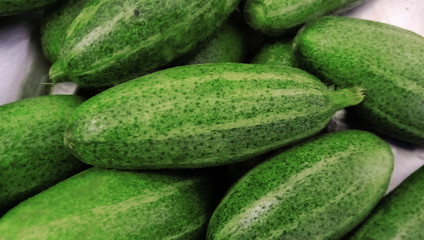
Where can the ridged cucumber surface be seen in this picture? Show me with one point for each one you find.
(318, 190)
(55, 23)
(108, 204)
(274, 17)
(11, 7)
(279, 52)
(202, 115)
(113, 41)
(385, 60)
(400, 215)
(228, 44)
(32, 154)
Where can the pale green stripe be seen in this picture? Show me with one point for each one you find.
(274, 9)
(409, 226)
(85, 15)
(410, 85)
(260, 210)
(151, 40)
(260, 150)
(242, 76)
(98, 214)
(190, 228)
(305, 218)
(147, 197)
(96, 126)
(394, 120)
(99, 33)
(245, 123)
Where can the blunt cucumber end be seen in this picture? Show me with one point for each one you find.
(255, 15)
(347, 97)
(57, 73)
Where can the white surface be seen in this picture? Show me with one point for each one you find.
(407, 161)
(64, 88)
(408, 14)
(23, 68)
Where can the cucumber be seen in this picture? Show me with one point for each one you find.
(55, 23)
(228, 44)
(11, 7)
(385, 60)
(399, 215)
(108, 204)
(112, 41)
(32, 154)
(275, 17)
(278, 52)
(318, 190)
(202, 115)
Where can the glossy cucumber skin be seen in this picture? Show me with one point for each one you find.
(318, 190)
(12, 7)
(114, 41)
(228, 44)
(201, 115)
(274, 17)
(32, 154)
(399, 215)
(108, 204)
(279, 52)
(55, 23)
(385, 60)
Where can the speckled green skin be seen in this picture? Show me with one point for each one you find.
(228, 44)
(400, 215)
(55, 23)
(274, 17)
(318, 190)
(279, 52)
(114, 41)
(385, 60)
(32, 154)
(108, 204)
(11, 7)
(201, 115)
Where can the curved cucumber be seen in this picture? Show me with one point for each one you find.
(107, 204)
(32, 154)
(56, 21)
(113, 41)
(202, 115)
(385, 60)
(274, 17)
(228, 44)
(399, 215)
(318, 190)
(10, 7)
(279, 52)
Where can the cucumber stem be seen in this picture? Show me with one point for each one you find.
(56, 73)
(347, 97)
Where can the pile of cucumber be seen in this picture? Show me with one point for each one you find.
(194, 132)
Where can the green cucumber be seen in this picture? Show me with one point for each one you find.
(385, 60)
(55, 23)
(399, 215)
(32, 154)
(112, 41)
(108, 204)
(228, 44)
(202, 115)
(274, 17)
(11, 7)
(318, 190)
(279, 52)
